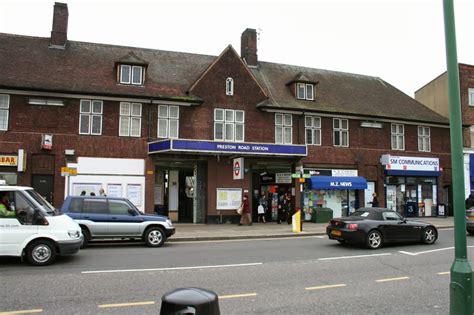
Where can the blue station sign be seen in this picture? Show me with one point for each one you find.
(203, 146)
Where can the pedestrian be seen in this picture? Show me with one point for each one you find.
(262, 208)
(375, 200)
(280, 210)
(245, 217)
(102, 192)
(287, 207)
(83, 193)
(470, 201)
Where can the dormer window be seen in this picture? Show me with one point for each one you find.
(131, 74)
(229, 86)
(305, 91)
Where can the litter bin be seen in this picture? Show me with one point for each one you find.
(190, 301)
(322, 215)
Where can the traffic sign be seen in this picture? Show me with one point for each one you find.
(306, 175)
(295, 175)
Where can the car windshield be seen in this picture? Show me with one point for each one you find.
(39, 199)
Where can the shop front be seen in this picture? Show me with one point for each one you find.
(337, 193)
(411, 185)
(214, 176)
(10, 165)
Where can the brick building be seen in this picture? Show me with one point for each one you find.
(187, 135)
(435, 96)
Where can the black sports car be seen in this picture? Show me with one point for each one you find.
(376, 226)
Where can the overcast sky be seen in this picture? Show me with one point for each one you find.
(400, 41)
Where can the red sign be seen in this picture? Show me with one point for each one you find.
(237, 168)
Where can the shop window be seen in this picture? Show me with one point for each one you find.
(341, 132)
(312, 130)
(424, 140)
(229, 125)
(4, 111)
(130, 119)
(90, 119)
(283, 128)
(398, 137)
(168, 121)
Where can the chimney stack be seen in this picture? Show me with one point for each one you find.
(248, 47)
(59, 32)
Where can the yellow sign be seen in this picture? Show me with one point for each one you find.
(8, 160)
(68, 171)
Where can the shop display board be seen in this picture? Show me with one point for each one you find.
(228, 198)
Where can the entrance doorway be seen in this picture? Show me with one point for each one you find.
(186, 196)
(43, 184)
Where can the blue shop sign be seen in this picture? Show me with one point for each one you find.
(337, 182)
(202, 146)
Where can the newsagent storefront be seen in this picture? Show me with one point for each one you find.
(200, 181)
(337, 190)
(411, 185)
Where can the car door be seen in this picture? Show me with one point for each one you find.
(95, 215)
(123, 222)
(15, 230)
(396, 227)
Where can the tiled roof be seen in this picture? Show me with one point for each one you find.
(341, 93)
(90, 68)
(28, 63)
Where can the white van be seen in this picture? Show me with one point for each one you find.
(33, 229)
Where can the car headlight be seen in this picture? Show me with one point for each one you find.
(74, 234)
(168, 221)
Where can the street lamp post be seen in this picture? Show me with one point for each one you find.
(461, 286)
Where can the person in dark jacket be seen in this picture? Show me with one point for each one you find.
(470, 201)
(375, 200)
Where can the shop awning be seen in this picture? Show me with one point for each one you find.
(337, 182)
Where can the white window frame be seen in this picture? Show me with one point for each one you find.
(398, 137)
(471, 96)
(340, 132)
(424, 139)
(130, 116)
(284, 125)
(89, 115)
(305, 94)
(229, 86)
(302, 95)
(4, 111)
(229, 123)
(312, 125)
(310, 96)
(168, 119)
(130, 77)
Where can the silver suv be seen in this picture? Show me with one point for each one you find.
(110, 217)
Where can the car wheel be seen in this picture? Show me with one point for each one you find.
(40, 253)
(342, 241)
(374, 239)
(87, 237)
(471, 232)
(429, 235)
(154, 236)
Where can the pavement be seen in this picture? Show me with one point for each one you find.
(227, 231)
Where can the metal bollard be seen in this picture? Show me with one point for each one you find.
(195, 301)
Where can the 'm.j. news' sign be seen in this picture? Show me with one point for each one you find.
(407, 163)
